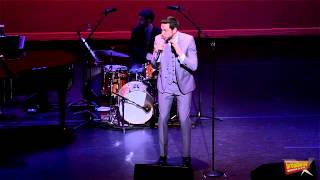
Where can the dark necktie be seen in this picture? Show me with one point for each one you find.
(173, 51)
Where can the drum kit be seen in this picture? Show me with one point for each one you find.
(130, 93)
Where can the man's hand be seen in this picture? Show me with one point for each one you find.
(149, 56)
(175, 45)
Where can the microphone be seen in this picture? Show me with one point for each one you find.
(175, 8)
(147, 108)
(109, 10)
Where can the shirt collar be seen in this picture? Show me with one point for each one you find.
(175, 37)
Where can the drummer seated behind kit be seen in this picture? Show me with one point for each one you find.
(142, 40)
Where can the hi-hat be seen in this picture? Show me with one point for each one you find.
(111, 53)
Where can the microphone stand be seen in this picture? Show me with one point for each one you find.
(97, 61)
(87, 92)
(198, 37)
(213, 172)
(105, 13)
(199, 30)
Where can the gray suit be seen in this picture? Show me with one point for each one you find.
(176, 80)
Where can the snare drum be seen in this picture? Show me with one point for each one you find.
(137, 92)
(115, 76)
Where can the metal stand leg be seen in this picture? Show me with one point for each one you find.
(122, 119)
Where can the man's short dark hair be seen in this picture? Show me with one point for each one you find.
(172, 21)
(147, 14)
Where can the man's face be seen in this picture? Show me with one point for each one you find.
(142, 21)
(166, 32)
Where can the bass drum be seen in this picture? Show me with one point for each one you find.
(136, 92)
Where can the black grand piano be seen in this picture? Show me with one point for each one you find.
(34, 69)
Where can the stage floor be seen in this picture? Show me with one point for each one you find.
(36, 149)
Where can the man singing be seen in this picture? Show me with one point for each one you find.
(176, 52)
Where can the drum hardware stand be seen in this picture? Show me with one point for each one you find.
(111, 82)
(123, 100)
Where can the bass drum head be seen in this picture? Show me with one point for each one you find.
(134, 114)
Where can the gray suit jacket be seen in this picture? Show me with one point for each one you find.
(184, 71)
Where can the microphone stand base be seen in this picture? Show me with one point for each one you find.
(214, 174)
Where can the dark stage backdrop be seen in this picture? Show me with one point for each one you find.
(60, 19)
(261, 76)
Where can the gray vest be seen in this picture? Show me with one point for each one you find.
(183, 72)
(168, 73)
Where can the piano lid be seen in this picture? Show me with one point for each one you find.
(11, 46)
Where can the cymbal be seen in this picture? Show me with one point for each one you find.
(111, 53)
